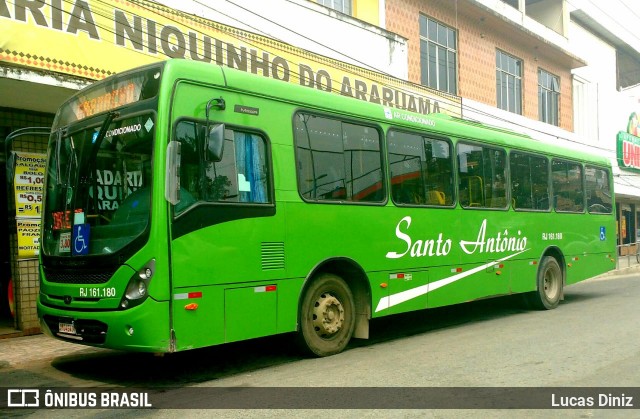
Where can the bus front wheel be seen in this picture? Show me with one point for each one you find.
(549, 285)
(326, 316)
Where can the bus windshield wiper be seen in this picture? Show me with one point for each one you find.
(93, 155)
(103, 130)
(59, 136)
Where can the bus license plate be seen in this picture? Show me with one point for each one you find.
(69, 328)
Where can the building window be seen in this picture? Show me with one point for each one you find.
(585, 109)
(509, 82)
(438, 56)
(548, 97)
(343, 6)
(512, 3)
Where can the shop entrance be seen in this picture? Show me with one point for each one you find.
(24, 154)
(628, 231)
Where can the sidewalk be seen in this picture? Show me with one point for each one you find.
(7, 329)
(30, 350)
(626, 264)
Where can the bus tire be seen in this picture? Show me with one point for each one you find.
(549, 285)
(327, 316)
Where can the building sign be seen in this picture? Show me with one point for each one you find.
(28, 181)
(28, 238)
(628, 145)
(94, 39)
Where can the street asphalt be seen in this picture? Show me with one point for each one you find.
(30, 350)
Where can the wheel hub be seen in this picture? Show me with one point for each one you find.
(328, 315)
(551, 285)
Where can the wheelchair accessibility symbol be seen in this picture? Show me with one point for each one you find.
(603, 235)
(80, 239)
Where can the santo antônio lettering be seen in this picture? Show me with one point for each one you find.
(500, 242)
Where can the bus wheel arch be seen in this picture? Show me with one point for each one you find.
(345, 306)
(550, 280)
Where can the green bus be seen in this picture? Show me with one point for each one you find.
(189, 205)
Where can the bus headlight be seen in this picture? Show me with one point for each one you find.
(136, 289)
(138, 286)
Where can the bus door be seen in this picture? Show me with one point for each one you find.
(227, 245)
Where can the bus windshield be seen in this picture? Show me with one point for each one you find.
(98, 186)
(99, 166)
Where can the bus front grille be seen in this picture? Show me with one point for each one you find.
(77, 277)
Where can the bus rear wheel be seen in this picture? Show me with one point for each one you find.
(549, 285)
(326, 316)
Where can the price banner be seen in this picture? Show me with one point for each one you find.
(28, 238)
(28, 183)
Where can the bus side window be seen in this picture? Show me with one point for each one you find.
(599, 197)
(421, 169)
(337, 161)
(568, 193)
(529, 181)
(482, 176)
(241, 176)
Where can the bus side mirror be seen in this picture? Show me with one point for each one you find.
(172, 182)
(214, 134)
(215, 142)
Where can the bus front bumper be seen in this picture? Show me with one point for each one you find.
(144, 328)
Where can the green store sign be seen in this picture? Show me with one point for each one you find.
(628, 145)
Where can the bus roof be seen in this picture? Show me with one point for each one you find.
(323, 101)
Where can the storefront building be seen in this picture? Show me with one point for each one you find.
(628, 159)
(49, 50)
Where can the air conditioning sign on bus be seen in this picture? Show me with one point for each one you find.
(629, 145)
